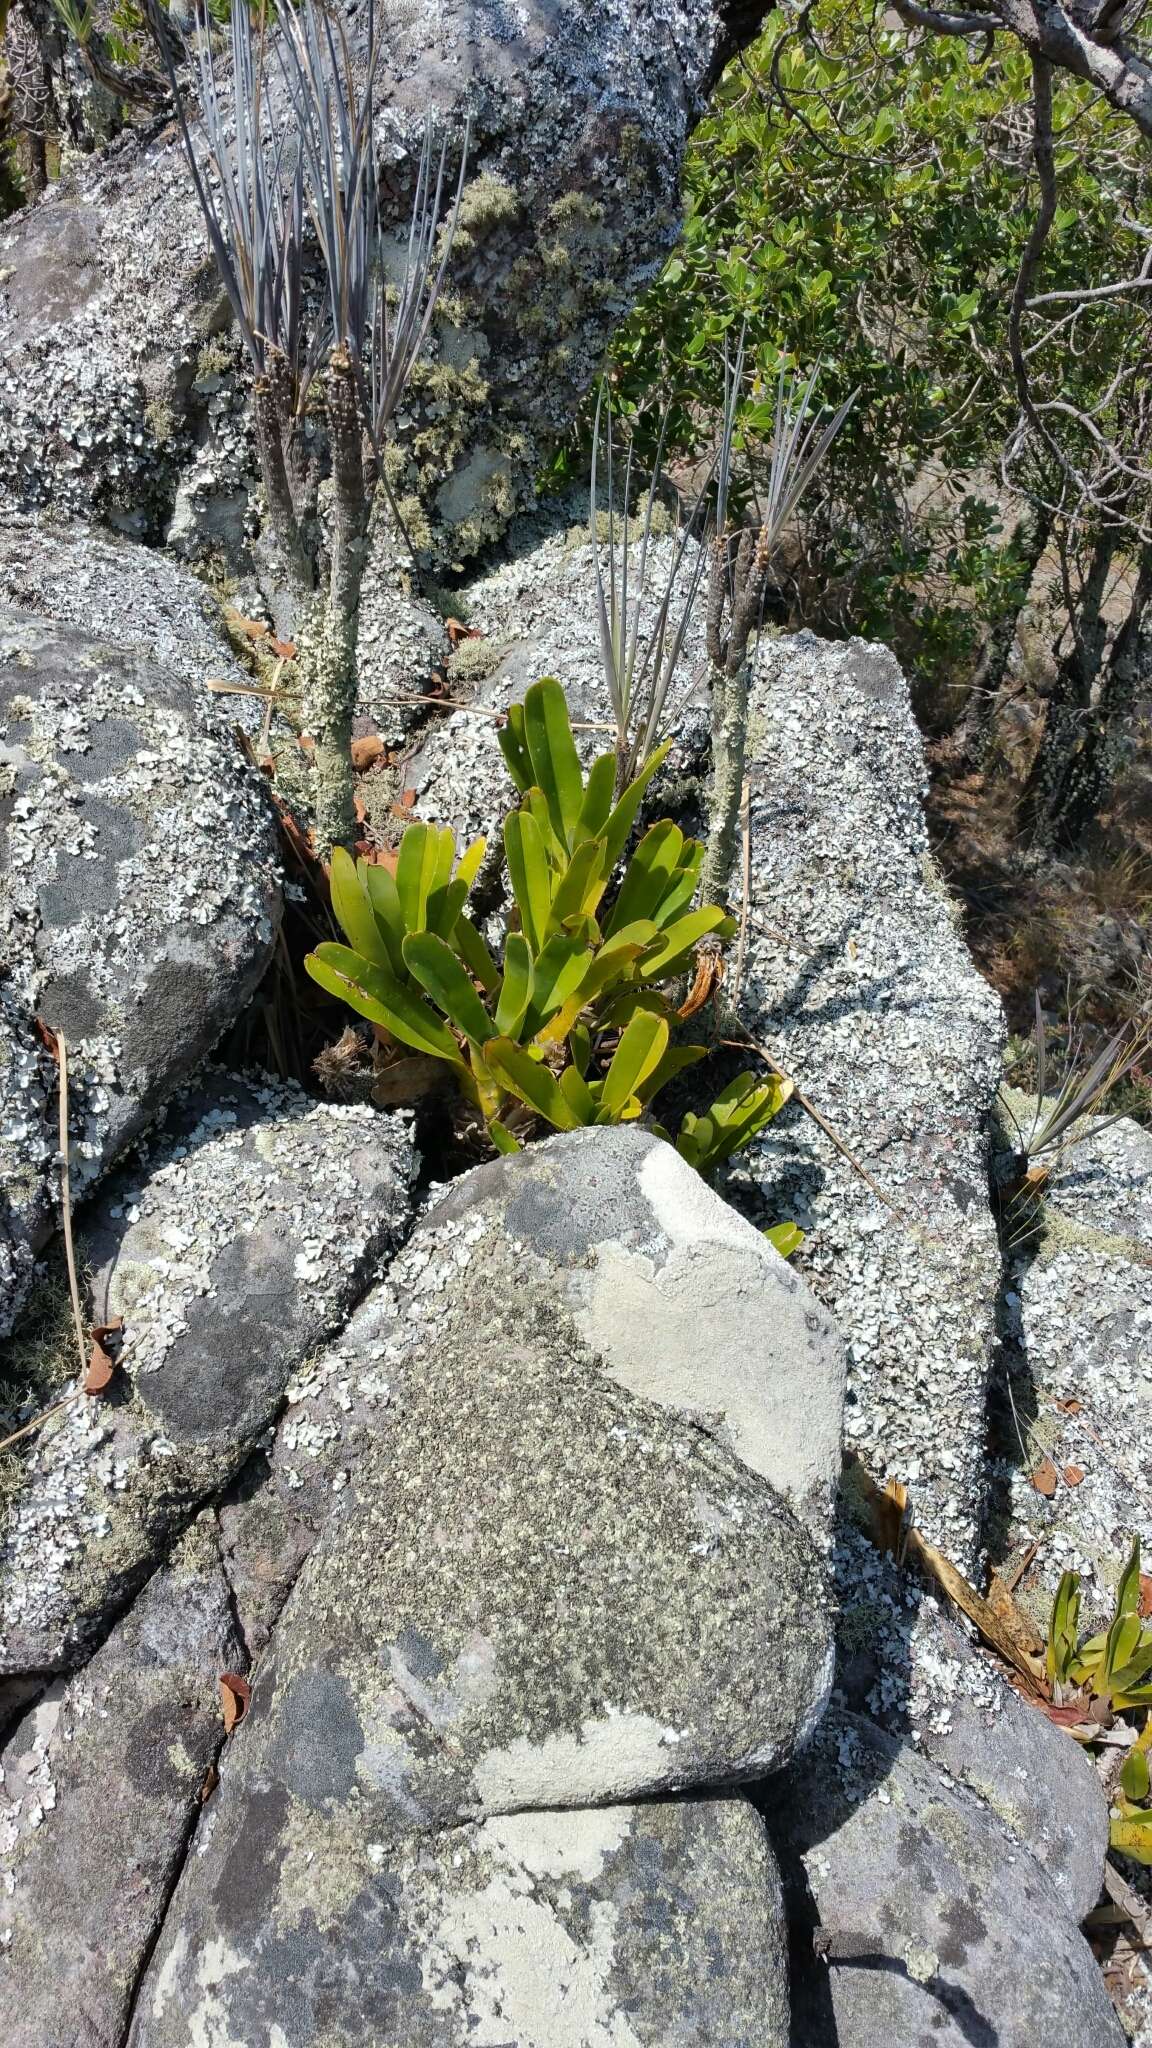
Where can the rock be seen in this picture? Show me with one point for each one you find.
(859, 981)
(537, 1590)
(902, 1662)
(626, 1927)
(231, 1252)
(916, 1915)
(579, 122)
(140, 852)
(99, 1794)
(537, 613)
(686, 1304)
(1077, 1357)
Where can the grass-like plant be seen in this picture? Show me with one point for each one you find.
(1101, 1680)
(1072, 1114)
(574, 1025)
(290, 149)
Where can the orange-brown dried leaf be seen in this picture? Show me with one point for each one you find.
(1045, 1478)
(285, 650)
(1145, 1596)
(48, 1038)
(99, 1371)
(1069, 1407)
(1073, 1475)
(367, 751)
(235, 1697)
(208, 1784)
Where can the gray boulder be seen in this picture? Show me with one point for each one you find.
(655, 1926)
(1079, 1361)
(859, 982)
(535, 1592)
(901, 1661)
(917, 1916)
(579, 119)
(140, 857)
(100, 1786)
(231, 1251)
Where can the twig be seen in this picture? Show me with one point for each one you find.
(38, 1420)
(66, 1205)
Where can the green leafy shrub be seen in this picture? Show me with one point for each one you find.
(1106, 1676)
(574, 1026)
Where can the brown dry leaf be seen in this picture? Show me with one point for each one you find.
(235, 1694)
(1045, 1478)
(888, 1518)
(285, 650)
(1145, 1596)
(100, 1370)
(1069, 1407)
(1013, 1618)
(709, 974)
(255, 628)
(306, 743)
(457, 631)
(210, 1781)
(358, 809)
(367, 750)
(1073, 1474)
(47, 1038)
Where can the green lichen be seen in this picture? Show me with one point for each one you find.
(487, 204)
(161, 419)
(473, 661)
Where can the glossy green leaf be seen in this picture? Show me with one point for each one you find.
(556, 974)
(675, 1061)
(475, 954)
(352, 907)
(469, 864)
(674, 949)
(380, 883)
(581, 886)
(417, 869)
(502, 1137)
(596, 808)
(580, 1048)
(555, 762)
(785, 1238)
(642, 1046)
(527, 1078)
(516, 987)
(528, 872)
(377, 995)
(1128, 1591)
(1063, 1629)
(649, 876)
(436, 967)
(514, 747)
(623, 817)
(1134, 1776)
(577, 1092)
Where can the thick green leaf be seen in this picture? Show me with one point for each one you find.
(554, 847)
(785, 1238)
(377, 995)
(1134, 1776)
(437, 969)
(1063, 1629)
(674, 948)
(502, 1137)
(642, 1047)
(1123, 1642)
(525, 1077)
(623, 817)
(580, 1048)
(528, 871)
(381, 886)
(557, 973)
(353, 909)
(674, 1062)
(648, 876)
(738, 1114)
(1128, 1591)
(514, 748)
(1138, 1667)
(475, 955)
(581, 886)
(576, 1090)
(1132, 1836)
(417, 868)
(555, 762)
(597, 805)
(468, 866)
(516, 987)
(682, 885)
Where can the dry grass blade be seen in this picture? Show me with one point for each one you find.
(1067, 1121)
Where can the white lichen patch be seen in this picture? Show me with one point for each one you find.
(608, 1756)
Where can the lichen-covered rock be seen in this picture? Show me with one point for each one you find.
(231, 1251)
(905, 1664)
(655, 1926)
(140, 853)
(683, 1300)
(100, 1786)
(917, 1916)
(1079, 1361)
(579, 113)
(859, 982)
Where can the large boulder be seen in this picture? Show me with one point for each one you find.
(230, 1251)
(140, 854)
(917, 1916)
(858, 981)
(1079, 1366)
(654, 1926)
(100, 1785)
(111, 316)
(538, 1589)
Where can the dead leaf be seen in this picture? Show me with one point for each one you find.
(209, 1783)
(47, 1038)
(888, 1518)
(1145, 1596)
(457, 631)
(709, 974)
(235, 1695)
(1044, 1478)
(1013, 1619)
(367, 751)
(306, 743)
(408, 798)
(285, 650)
(1072, 1475)
(1069, 1407)
(100, 1369)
